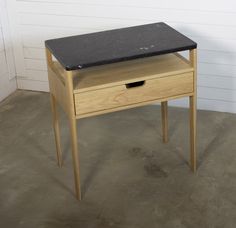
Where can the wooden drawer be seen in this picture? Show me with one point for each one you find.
(133, 93)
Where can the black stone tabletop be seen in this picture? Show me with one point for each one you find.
(82, 51)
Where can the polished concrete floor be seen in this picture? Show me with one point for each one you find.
(129, 178)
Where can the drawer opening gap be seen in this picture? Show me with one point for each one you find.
(134, 84)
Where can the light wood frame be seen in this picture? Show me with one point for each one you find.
(62, 92)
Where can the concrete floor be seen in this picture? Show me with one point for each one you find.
(129, 177)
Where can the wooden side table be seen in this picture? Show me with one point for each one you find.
(119, 69)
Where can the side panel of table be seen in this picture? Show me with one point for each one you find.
(61, 91)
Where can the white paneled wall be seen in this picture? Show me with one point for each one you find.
(7, 70)
(211, 23)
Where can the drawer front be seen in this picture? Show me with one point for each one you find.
(133, 93)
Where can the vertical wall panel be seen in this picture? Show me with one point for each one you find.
(7, 68)
(212, 24)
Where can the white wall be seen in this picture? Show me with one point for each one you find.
(211, 23)
(7, 69)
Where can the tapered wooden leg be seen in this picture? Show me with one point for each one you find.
(164, 115)
(75, 156)
(73, 131)
(56, 129)
(192, 102)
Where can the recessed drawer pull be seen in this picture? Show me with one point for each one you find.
(134, 84)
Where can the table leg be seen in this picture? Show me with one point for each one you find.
(193, 112)
(192, 102)
(73, 131)
(164, 116)
(75, 156)
(56, 129)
